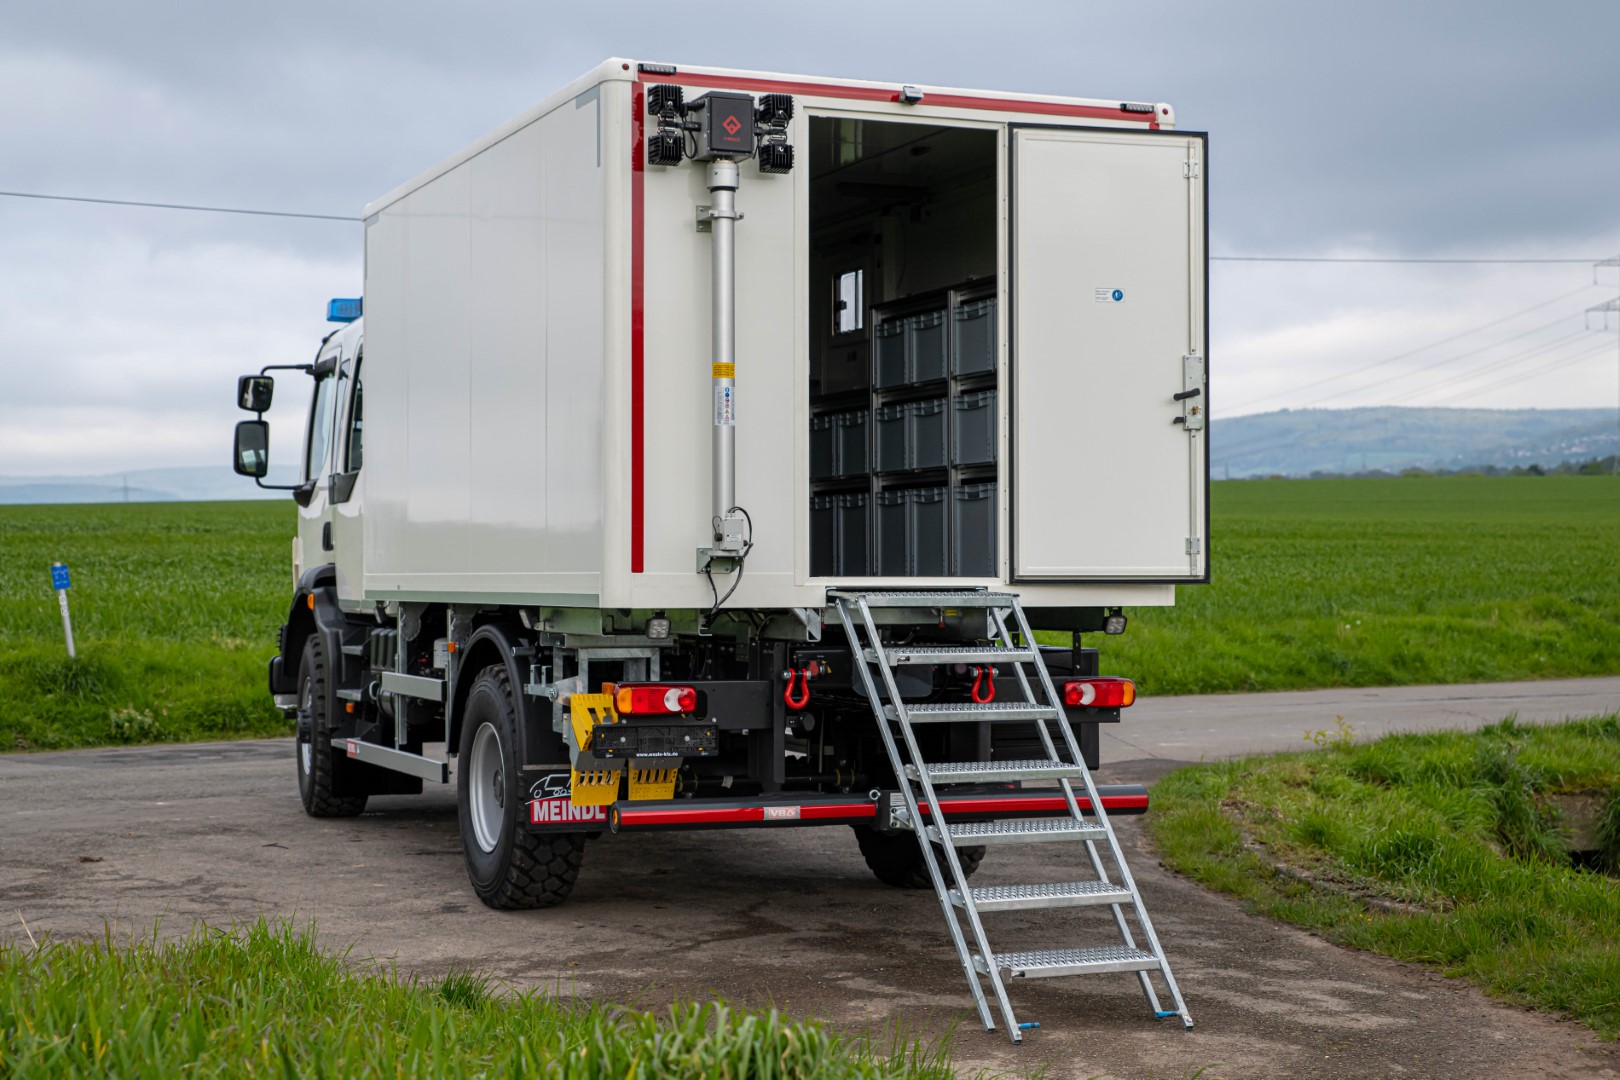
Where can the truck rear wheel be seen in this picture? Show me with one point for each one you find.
(509, 867)
(897, 860)
(312, 744)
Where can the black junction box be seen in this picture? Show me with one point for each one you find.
(728, 125)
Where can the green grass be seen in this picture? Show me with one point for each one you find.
(1316, 583)
(175, 611)
(265, 1001)
(1322, 583)
(1439, 848)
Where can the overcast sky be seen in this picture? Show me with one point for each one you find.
(1413, 128)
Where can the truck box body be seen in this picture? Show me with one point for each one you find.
(537, 343)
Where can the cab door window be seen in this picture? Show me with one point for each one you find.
(353, 454)
(318, 440)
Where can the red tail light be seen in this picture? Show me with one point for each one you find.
(643, 699)
(1099, 692)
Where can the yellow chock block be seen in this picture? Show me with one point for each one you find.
(652, 783)
(593, 787)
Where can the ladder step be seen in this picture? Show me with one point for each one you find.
(355, 650)
(934, 713)
(929, 598)
(1048, 963)
(963, 772)
(351, 695)
(951, 654)
(1060, 894)
(1025, 831)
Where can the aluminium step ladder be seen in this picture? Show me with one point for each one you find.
(1087, 824)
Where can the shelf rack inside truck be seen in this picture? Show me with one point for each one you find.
(706, 451)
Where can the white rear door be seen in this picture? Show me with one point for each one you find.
(1110, 469)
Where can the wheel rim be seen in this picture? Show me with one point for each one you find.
(486, 787)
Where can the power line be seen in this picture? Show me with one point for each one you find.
(1517, 377)
(1411, 352)
(1391, 259)
(176, 206)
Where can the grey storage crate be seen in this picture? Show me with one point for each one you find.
(891, 437)
(823, 535)
(852, 531)
(893, 533)
(926, 423)
(891, 366)
(823, 458)
(975, 330)
(927, 527)
(926, 348)
(973, 530)
(974, 439)
(851, 458)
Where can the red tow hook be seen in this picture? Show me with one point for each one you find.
(801, 677)
(984, 685)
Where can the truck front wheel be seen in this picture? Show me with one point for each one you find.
(896, 859)
(312, 744)
(509, 867)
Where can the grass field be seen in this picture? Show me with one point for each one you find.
(265, 1001)
(1446, 849)
(175, 611)
(1319, 583)
(1316, 583)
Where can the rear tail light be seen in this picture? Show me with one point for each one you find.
(1099, 693)
(643, 699)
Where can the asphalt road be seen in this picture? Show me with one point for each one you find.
(792, 918)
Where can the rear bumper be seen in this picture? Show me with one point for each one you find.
(787, 810)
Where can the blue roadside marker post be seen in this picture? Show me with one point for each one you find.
(60, 582)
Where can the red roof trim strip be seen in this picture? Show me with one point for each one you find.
(878, 93)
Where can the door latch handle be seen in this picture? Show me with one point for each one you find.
(1185, 394)
(326, 536)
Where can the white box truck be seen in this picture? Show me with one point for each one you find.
(706, 452)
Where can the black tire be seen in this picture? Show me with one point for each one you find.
(518, 869)
(897, 859)
(312, 748)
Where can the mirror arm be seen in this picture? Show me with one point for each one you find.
(276, 487)
(305, 368)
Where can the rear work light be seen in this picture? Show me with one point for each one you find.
(1099, 693)
(648, 699)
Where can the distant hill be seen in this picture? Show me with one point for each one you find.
(1299, 442)
(203, 483)
(1291, 442)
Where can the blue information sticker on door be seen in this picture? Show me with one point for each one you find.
(59, 576)
(1118, 294)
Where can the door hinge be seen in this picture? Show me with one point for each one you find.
(1189, 169)
(1194, 545)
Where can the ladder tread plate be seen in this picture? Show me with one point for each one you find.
(951, 654)
(967, 710)
(961, 772)
(1024, 831)
(1056, 894)
(928, 598)
(1046, 963)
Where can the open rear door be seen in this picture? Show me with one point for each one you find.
(1109, 400)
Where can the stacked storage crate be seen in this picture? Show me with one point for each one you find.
(904, 477)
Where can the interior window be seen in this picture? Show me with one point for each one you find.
(319, 437)
(356, 422)
(849, 301)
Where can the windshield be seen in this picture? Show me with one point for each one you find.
(319, 437)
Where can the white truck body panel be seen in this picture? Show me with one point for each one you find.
(507, 457)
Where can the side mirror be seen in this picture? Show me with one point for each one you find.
(251, 456)
(253, 393)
